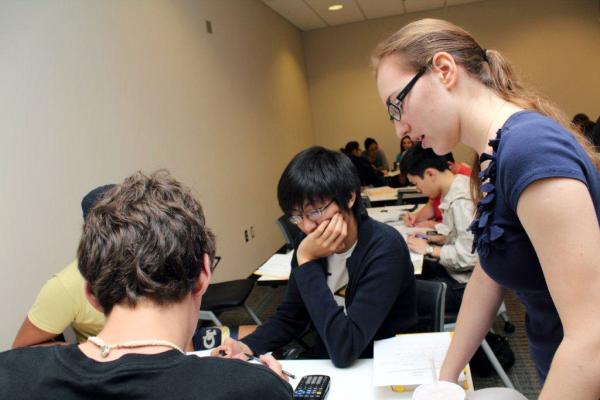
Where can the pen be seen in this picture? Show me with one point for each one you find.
(421, 236)
(254, 358)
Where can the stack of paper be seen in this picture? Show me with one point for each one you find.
(408, 189)
(279, 266)
(384, 193)
(410, 360)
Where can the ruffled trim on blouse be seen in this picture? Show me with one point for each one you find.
(485, 233)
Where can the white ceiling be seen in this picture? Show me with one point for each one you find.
(313, 14)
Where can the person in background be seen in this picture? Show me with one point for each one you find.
(584, 124)
(430, 214)
(458, 167)
(533, 164)
(146, 257)
(352, 278)
(596, 135)
(405, 144)
(61, 303)
(367, 174)
(375, 155)
(450, 257)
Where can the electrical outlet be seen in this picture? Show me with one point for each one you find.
(252, 232)
(246, 235)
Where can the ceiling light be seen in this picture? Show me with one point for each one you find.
(335, 7)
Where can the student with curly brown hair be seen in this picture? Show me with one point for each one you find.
(146, 255)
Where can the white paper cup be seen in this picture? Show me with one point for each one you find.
(440, 390)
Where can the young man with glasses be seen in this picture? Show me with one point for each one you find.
(352, 279)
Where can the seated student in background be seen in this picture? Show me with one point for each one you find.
(62, 303)
(375, 155)
(367, 174)
(596, 135)
(451, 260)
(146, 255)
(457, 167)
(352, 278)
(430, 215)
(584, 124)
(405, 144)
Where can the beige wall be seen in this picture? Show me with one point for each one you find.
(554, 45)
(92, 91)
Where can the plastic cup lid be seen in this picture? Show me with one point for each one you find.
(439, 391)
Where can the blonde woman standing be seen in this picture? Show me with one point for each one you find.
(536, 229)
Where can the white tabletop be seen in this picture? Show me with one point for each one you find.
(355, 382)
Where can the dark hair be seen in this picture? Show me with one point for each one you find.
(580, 119)
(315, 174)
(450, 157)
(90, 199)
(596, 134)
(145, 238)
(350, 147)
(402, 149)
(417, 159)
(369, 141)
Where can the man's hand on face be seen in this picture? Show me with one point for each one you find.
(327, 239)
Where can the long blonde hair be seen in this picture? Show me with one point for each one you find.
(417, 43)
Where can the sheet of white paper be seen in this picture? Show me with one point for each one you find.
(409, 360)
(388, 214)
(417, 261)
(405, 230)
(278, 266)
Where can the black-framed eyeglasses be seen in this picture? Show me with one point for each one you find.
(215, 262)
(395, 108)
(312, 215)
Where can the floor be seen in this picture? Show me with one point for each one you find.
(264, 300)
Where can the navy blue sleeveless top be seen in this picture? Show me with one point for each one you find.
(529, 147)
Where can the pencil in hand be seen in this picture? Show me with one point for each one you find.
(254, 358)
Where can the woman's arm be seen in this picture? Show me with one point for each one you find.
(560, 219)
(479, 307)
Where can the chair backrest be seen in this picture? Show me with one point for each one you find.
(366, 201)
(290, 231)
(431, 305)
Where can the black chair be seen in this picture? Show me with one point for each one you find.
(431, 304)
(289, 231)
(224, 296)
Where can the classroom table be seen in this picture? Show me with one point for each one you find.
(354, 382)
(389, 195)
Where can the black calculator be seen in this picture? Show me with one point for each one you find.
(312, 387)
